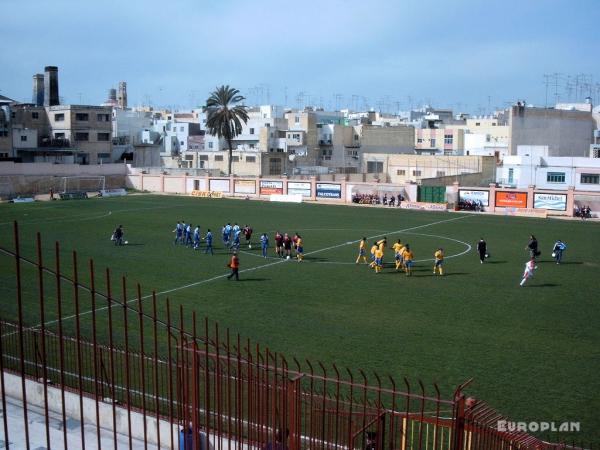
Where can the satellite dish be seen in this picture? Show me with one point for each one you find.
(291, 157)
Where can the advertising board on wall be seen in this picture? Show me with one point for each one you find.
(329, 190)
(474, 196)
(271, 187)
(506, 199)
(219, 185)
(424, 206)
(244, 186)
(206, 194)
(302, 188)
(556, 202)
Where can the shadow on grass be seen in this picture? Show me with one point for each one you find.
(495, 262)
(543, 285)
(253, 279)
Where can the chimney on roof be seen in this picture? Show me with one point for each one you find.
(122, 98)
(51, 86)
(38, 89)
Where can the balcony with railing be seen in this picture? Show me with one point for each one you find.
(47, 142)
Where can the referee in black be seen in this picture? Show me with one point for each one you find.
(482, 249)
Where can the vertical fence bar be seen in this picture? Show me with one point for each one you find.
(127, 373)
(170, 369)
(111, 356)
(20, 333)
(95, 346)
(229, 408)
(155, 372)
(206, 380)
(218, 396)
(142, 362)
(43, 333)
(2, 386)
(79, 355)
(61, 342)
(195, 381)
(183, 399)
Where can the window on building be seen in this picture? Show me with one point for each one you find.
(374, 166)
(218, 157)
(432, 142)
(401, 172)
(267, 125)
(103, 157)
(13, 115)
(419, 140)
(210, 145)
(416, 173)
(103, 137)
(448, 139)
(3, 133)
(59, 135)
(3, 155)
(555, 177)
(236, 159)
(189, 157)
(59, 117)
(80, 136)
(297, 119)
(103, 117)
(23, 138)
(250, 159)
(440, 173)
(35, 115)
(477, 124)
(82, 117)
(181, 143)
(274, 166)
(251, 130)
(181, 128)
(203, 157)
(590, 178)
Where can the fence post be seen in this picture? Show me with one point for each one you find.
(459, 422)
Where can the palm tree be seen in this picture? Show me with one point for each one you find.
(224, 117)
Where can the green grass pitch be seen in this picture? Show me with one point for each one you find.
(534, 352)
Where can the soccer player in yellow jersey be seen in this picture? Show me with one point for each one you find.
(398, 247)
(299, 248)
(381, 245)
(408, 260)
(362, 250)
(439, 261)
(373, 250)
(378, 260)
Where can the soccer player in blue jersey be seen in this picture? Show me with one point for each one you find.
(236, 240)
(178, 233)
(208, 238)
(264, 244)
(197, 237)
(226, 231)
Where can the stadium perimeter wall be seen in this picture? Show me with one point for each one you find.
(506, 201)
(38, 178)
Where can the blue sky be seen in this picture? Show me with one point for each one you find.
(464, 54)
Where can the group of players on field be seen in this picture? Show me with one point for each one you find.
(188, 235)
(403, 256)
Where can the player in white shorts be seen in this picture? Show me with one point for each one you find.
(528, 273)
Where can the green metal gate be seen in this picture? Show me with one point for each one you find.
(431, 194)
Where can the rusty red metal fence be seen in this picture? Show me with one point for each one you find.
(166, 383)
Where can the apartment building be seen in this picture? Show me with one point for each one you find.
(62, 133)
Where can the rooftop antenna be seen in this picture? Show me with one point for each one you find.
(285, 96)
(546, 83)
